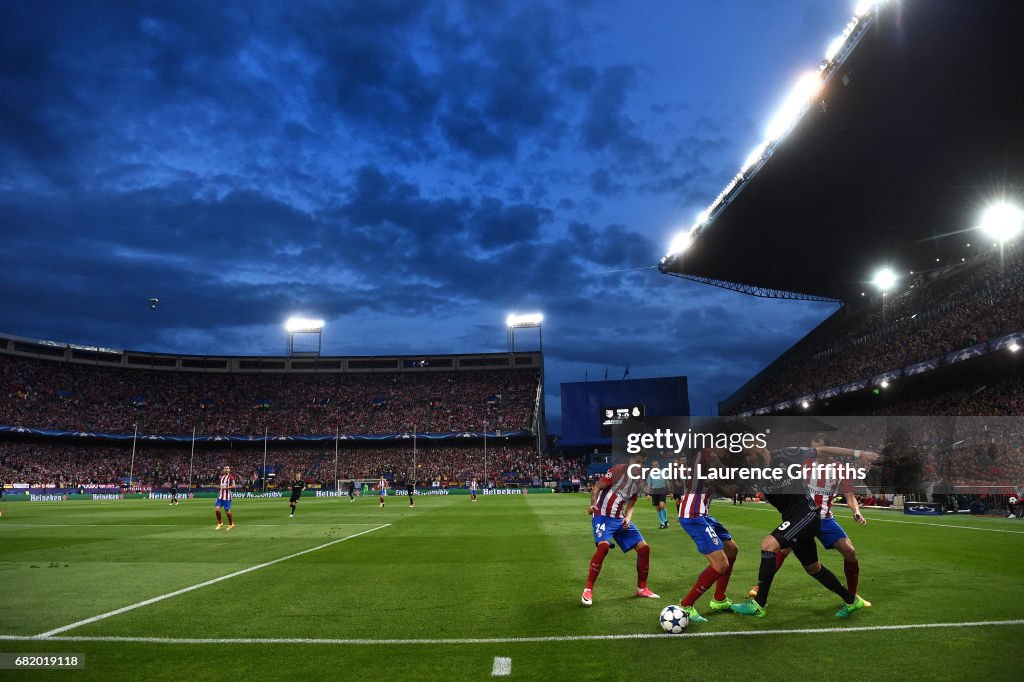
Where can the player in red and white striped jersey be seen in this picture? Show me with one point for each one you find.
(823, 489)
(611, 505)
(382, 489)
(226, 485)
(713, 540)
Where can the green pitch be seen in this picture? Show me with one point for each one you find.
(503, 568)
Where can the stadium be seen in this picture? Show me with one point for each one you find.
(435, 527)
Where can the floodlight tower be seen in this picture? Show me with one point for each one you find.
(528, 321)
(531, 321)
(305, 327)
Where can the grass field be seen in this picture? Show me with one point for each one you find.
(396, 593)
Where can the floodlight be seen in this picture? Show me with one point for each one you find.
(834, 47)
(1002, 221)
(1014, 347)
(680, 243)
(528, 320)
(804, 404)
(885, 383)
(754, 157)
(302, 325)
(884, 279)
(794, 105)
(865, 7)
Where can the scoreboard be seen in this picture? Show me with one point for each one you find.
(616, 416)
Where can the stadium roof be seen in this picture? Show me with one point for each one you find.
(916, 129)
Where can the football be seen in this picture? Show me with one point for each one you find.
(1013, 500)
(673, 619)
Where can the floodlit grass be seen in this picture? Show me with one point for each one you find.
(502, 568)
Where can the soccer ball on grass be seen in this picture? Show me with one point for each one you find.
(673, 619)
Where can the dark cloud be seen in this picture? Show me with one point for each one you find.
(401, 165)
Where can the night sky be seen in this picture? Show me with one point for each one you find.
(409, 171)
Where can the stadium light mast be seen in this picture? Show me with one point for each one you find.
(304, 327)
(530, 321)
(527, 321)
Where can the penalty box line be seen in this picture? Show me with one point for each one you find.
(132, 607)
(512, 640)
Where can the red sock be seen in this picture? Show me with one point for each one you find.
(706, 579)
(723, 581)
(231, 521)
(643, 566)
(595, 564)
(852, 570)
(779, 558)
(218, 516)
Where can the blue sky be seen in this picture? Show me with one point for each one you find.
(409, 171)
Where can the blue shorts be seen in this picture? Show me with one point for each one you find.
(707, 533)
(226, 504)
(831, 533)
(607, 529)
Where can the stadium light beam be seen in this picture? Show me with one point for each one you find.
(302, 325)
(884, 279)
(1002, 221)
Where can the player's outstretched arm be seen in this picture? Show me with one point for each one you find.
(864, 455)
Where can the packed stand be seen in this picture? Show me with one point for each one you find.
(69, 466)
(940, 312)
(75, 397)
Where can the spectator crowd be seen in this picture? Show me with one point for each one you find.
(69, 466)
(66, 396)
(937, 313)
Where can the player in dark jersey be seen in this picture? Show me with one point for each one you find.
(351, 491)
(298, 485)
(174, 493)
(823, 489)
(410, 488)
(1, 496)
(801, 521)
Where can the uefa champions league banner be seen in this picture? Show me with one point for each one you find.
(922, 509)
(239, 438)
(879, 460)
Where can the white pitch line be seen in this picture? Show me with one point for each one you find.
(872, 519)
(163, 525)
(117, 612)
(508, 640)
(502, 667)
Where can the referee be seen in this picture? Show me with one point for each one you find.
(659, 491)
(410, 487)
(298, 485)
